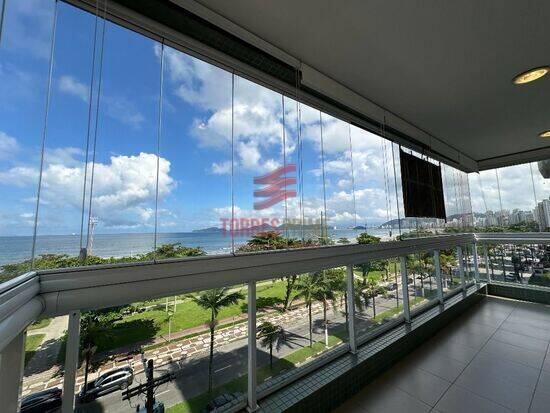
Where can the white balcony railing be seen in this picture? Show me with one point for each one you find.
(69, 291)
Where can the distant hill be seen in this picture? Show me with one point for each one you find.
(407, 222)
(209, 229)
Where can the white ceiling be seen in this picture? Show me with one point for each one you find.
(443, 66)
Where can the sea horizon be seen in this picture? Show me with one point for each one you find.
(18, 248)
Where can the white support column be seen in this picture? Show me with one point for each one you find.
(461, 267)
(71, 362)
(438, 280)
(476, 264)
(487, 269)
(252, 384)
(351, 309)
(12, 361)
(405, 286)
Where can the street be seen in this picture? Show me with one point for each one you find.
(230, 360)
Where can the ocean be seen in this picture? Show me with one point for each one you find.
(18, 248)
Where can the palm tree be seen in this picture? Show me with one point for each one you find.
(94, 326)
(341, 287)
(326, 288)
(307, 287)
(271, 335)
(370, 290)
(290, 282)
(214, 300)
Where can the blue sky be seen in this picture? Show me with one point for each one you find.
(195, 159)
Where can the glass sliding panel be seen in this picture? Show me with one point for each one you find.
(404, 226)
(422, 283)
(379, 295)
(478, 202)
(261, 181)
(312, 176)
(458, 206)
(468, 259)
(341, 218)
(540, 180)
(300, 318)
(450, 276)
(518, 199)
(194, 206)
(25, 52)
(175, 332)
(520, 263)
(534, 264)
(61, 229)
(121, 217)
(375, 195)
(44, 356)
(293, 156)
(490, 190)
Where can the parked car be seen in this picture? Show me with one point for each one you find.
(392, 287)
(47, 401)
(118, 379)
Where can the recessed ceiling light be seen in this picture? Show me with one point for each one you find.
(545, 134)
(531, 75)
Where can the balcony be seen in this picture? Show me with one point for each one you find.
(273, 206)
(352, 344)
(492, 358)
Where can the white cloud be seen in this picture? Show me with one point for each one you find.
(19, 176)
(123, 193)
(8, 146)
(72, 86)
(222, 168)
(197, 82)
(249, 154)
(256, 114)
(516, 188)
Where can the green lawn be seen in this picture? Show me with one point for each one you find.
(154, 323)
(377, 276)
(394, 311)
(291, 360)
(32, 342)
(42, 323)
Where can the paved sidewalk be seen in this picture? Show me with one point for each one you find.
(172, 352)
(44, 362)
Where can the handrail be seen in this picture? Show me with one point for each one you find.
(63, 290)
(14, 282)
(513, 237)
(106, 286)
(17, 321)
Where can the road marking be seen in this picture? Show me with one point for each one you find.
(162, 392)
(223, 368)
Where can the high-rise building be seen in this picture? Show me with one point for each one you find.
(542, 214)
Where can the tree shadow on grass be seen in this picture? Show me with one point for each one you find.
(265, 303)
(125, 338)
(43, 358)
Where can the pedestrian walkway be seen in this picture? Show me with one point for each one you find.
(174, 351)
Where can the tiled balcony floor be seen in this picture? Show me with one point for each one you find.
(495, 358)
